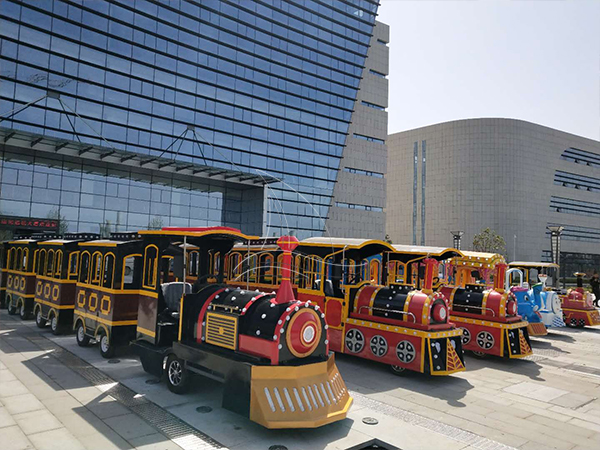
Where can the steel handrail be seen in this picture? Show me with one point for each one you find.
(372, 308)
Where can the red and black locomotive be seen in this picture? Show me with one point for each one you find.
(270, 350)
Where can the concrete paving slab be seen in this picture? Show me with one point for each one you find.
(155, 441)
(59, 439)
(535, 391)
(37, 421)
(130, 426)
(12, 438)
(105, 407)
(22, 403)
(571, 400)
(11, 388)
(6, 419)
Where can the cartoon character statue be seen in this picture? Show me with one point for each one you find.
(552, 314)
(530, 304)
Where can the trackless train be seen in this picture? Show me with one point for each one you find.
(403, 327)
(271, 350)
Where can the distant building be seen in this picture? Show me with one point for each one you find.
(512, 176)
(175, 113)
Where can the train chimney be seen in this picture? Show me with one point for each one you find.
(285, 293)
(499, 278)
(430, 266)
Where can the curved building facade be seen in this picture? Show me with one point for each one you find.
(512, 176)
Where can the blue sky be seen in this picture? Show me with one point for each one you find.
(533, 60)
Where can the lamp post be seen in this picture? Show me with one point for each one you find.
(555, 232)
(457, 235)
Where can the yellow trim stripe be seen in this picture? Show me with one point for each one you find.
(55, 280)
(408, 331)
(13, 292)
(146, 331)
(105, 321)
(117, 291)
(98, 244)
(508, 326)
(19, 272)
(54, 305)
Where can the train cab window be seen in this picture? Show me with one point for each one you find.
(84, 268)
(108, 270)
(19, 260)
(150, 266)
(131, 271)
(216, 265)
(96, 268)
(235, 266)
(193, 260)
(50, 263)
(25, 259)
(41, 262)
(265, 269)
(312, 272)
(297, 270)
(73, 259)
(58, 264)
(251, 271)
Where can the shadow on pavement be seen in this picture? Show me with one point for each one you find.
(528, 368)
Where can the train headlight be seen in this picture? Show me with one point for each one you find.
(303, 333)
(511, 307)
(439, 312)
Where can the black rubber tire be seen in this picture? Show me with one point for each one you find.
(23, 313)
(55, 326)
(12, 309)
(82, 339)
(39, 319)
(107, 348)
(397, 370)
(479, 355)
(176, 375)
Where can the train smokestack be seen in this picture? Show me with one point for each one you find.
(285, 293)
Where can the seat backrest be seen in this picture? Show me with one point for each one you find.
(172, 293)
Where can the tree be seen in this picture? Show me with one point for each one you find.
(63, 225)
(156, 223)
(489, 241)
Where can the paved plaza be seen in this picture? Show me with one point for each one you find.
(54, 394)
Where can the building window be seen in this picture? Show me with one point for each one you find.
(369, 138)
(367, 173)
(379, 74)
(373, 105)
(576, 181)
(581, 157)
(361, 207)
(572, 206)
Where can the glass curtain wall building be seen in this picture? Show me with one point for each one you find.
(265, 87)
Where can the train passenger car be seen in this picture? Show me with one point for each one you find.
(3, 273)
(540, 275)
(270, 350)
(578, 307)
(402, 327)
(56, 279)
(20, 276)
(489, 316)
(107, 291)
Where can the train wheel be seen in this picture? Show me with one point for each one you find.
(39, 319)
(177, 375)
(107, 349)
(479, 355)
(571, 323)
(397, 370)
(23, 312)
(82, 339)
(12, 309)
(54, 325)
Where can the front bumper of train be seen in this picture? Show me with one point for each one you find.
(307, 396)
